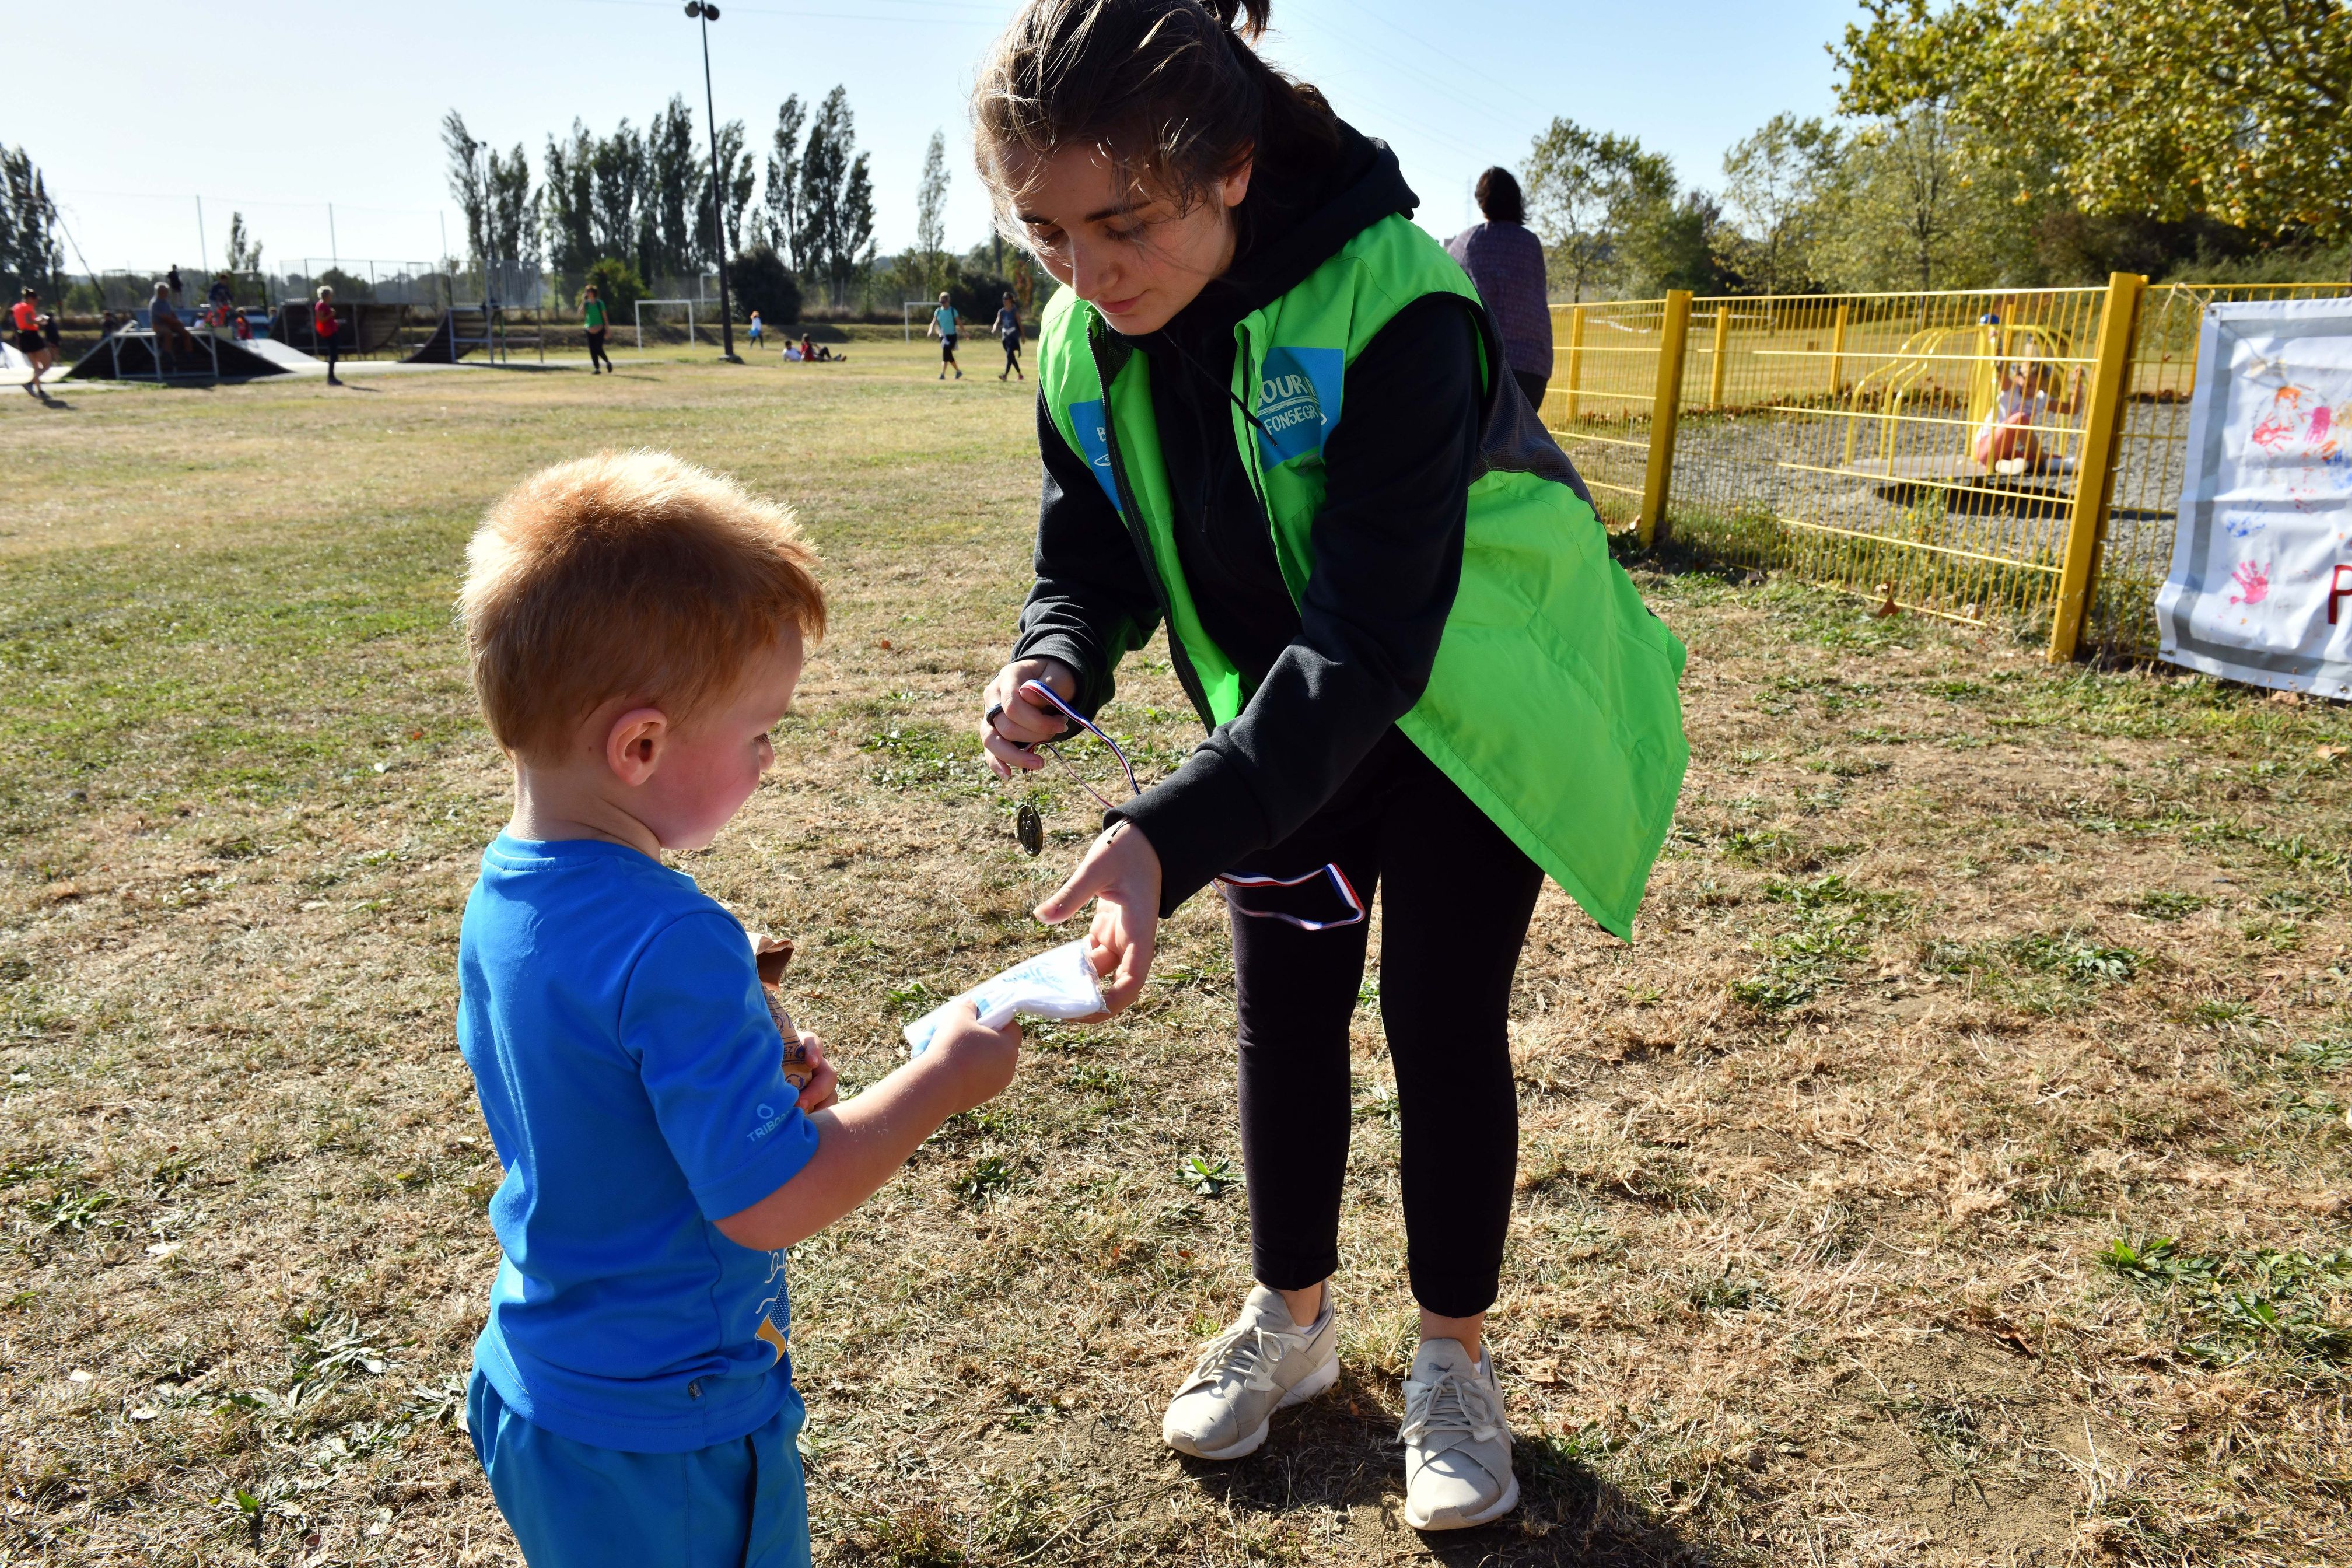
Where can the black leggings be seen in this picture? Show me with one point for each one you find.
(596, 353)
(1013, 356)
(1455, 898)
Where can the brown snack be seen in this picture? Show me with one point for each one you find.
(772, 954)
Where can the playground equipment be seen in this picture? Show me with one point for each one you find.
(1962, 368)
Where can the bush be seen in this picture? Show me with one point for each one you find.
(761, 281)
(617, 284)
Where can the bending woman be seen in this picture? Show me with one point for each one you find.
(1275, 417)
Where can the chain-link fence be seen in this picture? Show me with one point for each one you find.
(2006, 457)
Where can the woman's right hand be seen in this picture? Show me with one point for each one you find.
(1010, 737)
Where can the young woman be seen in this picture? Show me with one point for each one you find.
(1274, 416)
(1506, 260)
(592, 321)
(944, 321)
(1008, 333)
(26, 317)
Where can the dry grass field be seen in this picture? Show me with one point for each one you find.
(1954, 1172)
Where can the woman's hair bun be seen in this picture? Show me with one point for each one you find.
(1245, 17)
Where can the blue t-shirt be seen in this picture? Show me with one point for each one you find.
(633, 1081)
(946, 317)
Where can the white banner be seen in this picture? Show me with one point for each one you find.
(2261, 587)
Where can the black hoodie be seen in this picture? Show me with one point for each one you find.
(1329, 677)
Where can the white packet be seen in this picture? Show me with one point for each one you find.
(1059, 983)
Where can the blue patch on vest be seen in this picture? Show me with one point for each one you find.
(1086, 420)
(1297, 402)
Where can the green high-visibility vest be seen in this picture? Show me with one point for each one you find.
(1553, 702)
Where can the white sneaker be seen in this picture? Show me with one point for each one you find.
(1265, 1362)
(1457, 1444)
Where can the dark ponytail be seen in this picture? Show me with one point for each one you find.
(1169, 91)
(1499, 198)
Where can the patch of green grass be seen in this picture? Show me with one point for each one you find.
(2224, 1308)
(2168, 906)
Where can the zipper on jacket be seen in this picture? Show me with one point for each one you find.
(1133, 516)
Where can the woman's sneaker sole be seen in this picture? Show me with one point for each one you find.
(1502, 1505)
(1313, 1383)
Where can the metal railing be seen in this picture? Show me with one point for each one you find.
(1991, 457)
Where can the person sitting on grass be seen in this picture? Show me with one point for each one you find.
(636, 627)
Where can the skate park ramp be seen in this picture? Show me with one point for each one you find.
(131, 355)
(284, 356)
(362, 327)
(460, 332)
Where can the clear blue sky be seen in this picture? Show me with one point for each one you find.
(135, 113)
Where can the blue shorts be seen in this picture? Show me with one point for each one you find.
(574, 1505)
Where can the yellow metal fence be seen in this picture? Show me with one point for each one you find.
(1995, 457)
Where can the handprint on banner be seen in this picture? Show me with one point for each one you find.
(2253, 580)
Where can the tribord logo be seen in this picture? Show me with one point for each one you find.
(1094, 440)
(1297, 402)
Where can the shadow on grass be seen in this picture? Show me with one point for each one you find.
(1339, 1454)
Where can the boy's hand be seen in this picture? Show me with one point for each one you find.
(980, 1059)
(825, 1084)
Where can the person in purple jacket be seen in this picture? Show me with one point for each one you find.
(1506, 260)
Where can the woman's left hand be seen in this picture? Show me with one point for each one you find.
(1121, 872)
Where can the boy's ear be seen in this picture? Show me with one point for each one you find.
(634, 745)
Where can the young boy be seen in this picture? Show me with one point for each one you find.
(636, 625)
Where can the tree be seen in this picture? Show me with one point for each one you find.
(29, 253)
(469, 182)
(738, 174)
(2240, 109)
(764, 283)
(836, 198)
(617, 283)
(1917, 206)
(857, 226)
(244, 250)
(617, 183)
(930, 217)
(673, 181)
(784, 183)
(513, 216)
(569, 198)
(1588, 195)
(1778, 182)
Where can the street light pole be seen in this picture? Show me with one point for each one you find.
(707, 13)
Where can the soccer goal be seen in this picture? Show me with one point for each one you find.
(688, 305)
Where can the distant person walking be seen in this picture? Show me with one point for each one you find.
(30, 342)
(325, 328)
(171, 278)
(756, 336)
(1008, 333)
(1507, 263)
(594, 319)
(944, 321)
